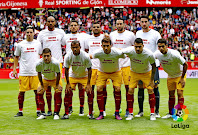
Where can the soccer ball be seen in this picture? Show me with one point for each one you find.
(179, 113)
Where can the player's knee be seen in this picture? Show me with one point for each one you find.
(21, 93)
(150, 91)
(100, 88)
(156, 86)
(140, 86)
(131, 91)
(180, 93)
(171, 93)
(117, 89)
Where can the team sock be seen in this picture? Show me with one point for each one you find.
(41, 102)
(152, 102)
(105, 96)
(90, 101)
(49, 98)
(82, 97)
(171, 104)
(100, 101)
(67, 99)
(127, 90)
(180, 102)
(57, 101)
(157, 99)
(117, 100)
(130, 101)
(21, 97)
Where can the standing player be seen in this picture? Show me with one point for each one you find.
(81, 37)
(175, 66)
(28, 50)
(48, 69)
(142, 68)
(52, 38)
(93, 43)
(150, 38)
(108, 69)
(122, 38)
(79, 62)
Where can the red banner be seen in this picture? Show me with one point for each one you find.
(93, 3)
(7, 73)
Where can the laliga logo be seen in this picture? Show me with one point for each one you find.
(181, 115)
(40, 3)
(151, 2)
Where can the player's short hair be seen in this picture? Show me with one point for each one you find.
(120, 19)
(96, 22)
(30, 27)
(46, 50)
(144, 16)
(106, 40)
(74, 21)
(162, 40)
(138, 40)
(75, 42)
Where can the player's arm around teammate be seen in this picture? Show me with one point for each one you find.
(48, 69)
(142, 69)
(108, 69)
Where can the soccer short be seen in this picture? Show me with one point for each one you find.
(116, 78)
(73, 81)
(94, 76)
(27, 83)
(172, 83)
(51, 83)
(61, 69)
(136, 77)
(125, 74)
(156, 77)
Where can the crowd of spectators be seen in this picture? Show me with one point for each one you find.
(179, 27)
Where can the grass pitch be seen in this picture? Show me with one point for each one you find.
(28, 124)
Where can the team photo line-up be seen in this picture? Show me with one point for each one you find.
(93, 60)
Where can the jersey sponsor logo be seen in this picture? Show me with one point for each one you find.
(47, 71)
(165, 62)
(145, 41)
(77, 64)
(73, 39)
(52, 39)
(108, 61)
(137, 61)
(151, 2)
(119, 41)
(30, 50)
(123, 2)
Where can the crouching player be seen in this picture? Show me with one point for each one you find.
(142, 69)
(76, 63)
(175, 66)
(48, 69)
